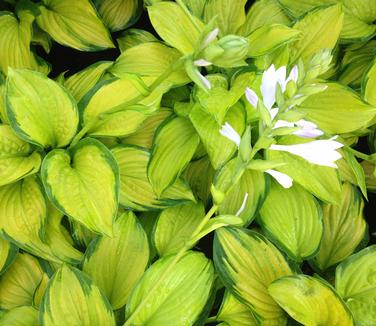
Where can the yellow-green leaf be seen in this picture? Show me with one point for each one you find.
(344, 228)
(75, 24)
(20, 316)
(84, 184)
(293, 218)
(174, 145)
(8, 252)
(310, 301)
(119, 14)
(73, 299)
(115, 264)
(356, 284)
(175, 227)
(174, 26)
(179, 298)
(247, 263)
(369, 85)
(338, 110)
(17, 158)
(133, 37)
(136, 191)
(39, 109)
(18, 284)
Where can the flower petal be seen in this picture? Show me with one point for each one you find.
(294, 74)
(283, 124)
(268, 86)
(211, 37)
(283, 179)
(202, 63)
(251, 97)
(230, 133)
(281, 77)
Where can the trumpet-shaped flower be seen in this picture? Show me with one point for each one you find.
(319, 152)
(307, 129)
(283, 179)
(230, 133)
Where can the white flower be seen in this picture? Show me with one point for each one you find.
(211, 37)
(202, 63)
(320, 152)
(251, 97)
(204, 80)
(307, 129)
(241, 209)
(230, 133)
(283, 179)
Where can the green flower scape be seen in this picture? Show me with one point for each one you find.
(230, 121)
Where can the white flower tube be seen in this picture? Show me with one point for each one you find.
(319, 152)
(230, 133)
(283, 179)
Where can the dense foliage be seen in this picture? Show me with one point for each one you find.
(230, 118)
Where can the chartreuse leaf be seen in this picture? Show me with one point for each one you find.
(20, 316)
(179, 298)
(174, 144)
(235, 313)
(39, 109)
(18, 284)
(344, 228)
(134, 36)
(321, 181)
(174, 26)
(119, 14)
(230, 14)
(39, 292)
(247, 263)
(263, 12)
(8, 252)
(356, 284)
(320, 30)
(136, 191)
(115, 264)
(144, 135)
(59, 19)
(84, 184)
(160, 59)
(175, 227)
(293, 218)
(82, 299)
(81, 82)
(219, 148)
(109, 96)
(369, 85)
(338, 109)
(17, 158)
(268, 38)
(15, 39)
(310, 301)
(369, 171)
(297, 9)
(251, 187)
(196, 7)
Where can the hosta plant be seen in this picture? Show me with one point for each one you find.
(214, 171)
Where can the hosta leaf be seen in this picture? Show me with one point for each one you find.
(160, 58)
(8, 252)
(39, 109)
(293, 218)
(17, 158)
(356, 284)
(39, 291)
(148, 221)
(188, 282)
(344, 228)
(18, 284)
(264, 12)
(320, 30)
(84, 184)
(136, 191)
(219, 148)
(297, 9)
(115, 94)
(81, 82)
(80, 303)
(252, 186)
(235, 313)
(310, 301)
(247, 263)
(268, 38)
(143, 137)
(321, 181)
(59, 19)
(175, 227)
(134, 36)
(230, 14)
(174, 144)
(15, 38)
(196, 7)
(20, 316)
(338, 109)
(369, 85)
(369, 169)
(174, 26)
(119, 14)
(115, 264)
